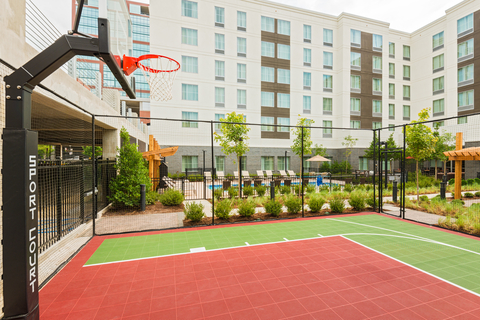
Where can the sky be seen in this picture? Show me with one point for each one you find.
(404, 15)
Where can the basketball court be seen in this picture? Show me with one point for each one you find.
(345, 267)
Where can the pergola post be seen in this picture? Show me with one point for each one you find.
(458, 168)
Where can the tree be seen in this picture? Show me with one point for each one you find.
(445, 142)
(87, 151)
(349, 142)
(420, 141)
(234, 136)
(132, 172)
(44, 151)
(302, 123)
(320, 150)
(391, 144)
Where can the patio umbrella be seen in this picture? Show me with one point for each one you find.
(318, 158)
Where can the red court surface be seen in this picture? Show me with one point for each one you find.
(324, 278)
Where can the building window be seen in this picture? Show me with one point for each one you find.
(189, 116)
(327, 130)
(406, 92)
(328, 37)
(438, 107)
(268, 74)
(241, 72)
(355, 38)
(219, 43)
(391, 49)
(267, 120)
(377, 107)
(438, 85)
(377, 42)
(268, 49)
(220, 163)
(285, 122)
(189, 9)
(283, 76)
(438, 63)
(465, 25)
(283, 51)
(281, 163)
(218, 117)
(438, 41)
(327, 82)
(243, 165)
(391, 70)
(268, 99)
(189, 36)
(189, 162)
(376, 125)
(391, 90)
(406, 112)
(219, 17)
(406, 53)
(307, 33)
(283, 100)
(241, 98)
(268, 24)
(362, 163)
(465, 50)
(406, 72)
(377, 86)
(307, 80)
(266, 163)
(465, 100)
(189, 92)
(465, 75)
(307, 57)
(355, 106)
(220, 97)
(391, 127)
(327, 105)
(462, 120)
(377, 64)
(307, 104)
(241, 21)
(355, 124)
(190, 64)
(241, 47)
(219, 70)
(283, 27)
(356, 60)
(391, 111)
(355, 83)
(327, 60)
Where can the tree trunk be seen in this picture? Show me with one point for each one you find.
(436, 169)
(418, 189)
(239, 173)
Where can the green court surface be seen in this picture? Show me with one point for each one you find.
(451, 257)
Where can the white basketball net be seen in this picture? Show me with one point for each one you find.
(160, 73)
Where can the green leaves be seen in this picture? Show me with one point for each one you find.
(420, 139)
(302, 123)
(234, 135)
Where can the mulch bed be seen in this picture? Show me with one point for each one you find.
(262, 217)
(150, 209)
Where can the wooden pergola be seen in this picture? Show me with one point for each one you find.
(458, 155)
(154, 156)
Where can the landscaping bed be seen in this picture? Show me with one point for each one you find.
(149, 209)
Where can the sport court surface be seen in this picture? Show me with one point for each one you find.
(346, 267)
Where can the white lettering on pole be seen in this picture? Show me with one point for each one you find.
(32, 172)
(32, 200)
(32, 232)
(32, 264)
(32, 284)
(31, 238)
(33, 246)
(32, 186)
(32, 211)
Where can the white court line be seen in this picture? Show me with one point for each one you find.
(247, 243)
(285, 239)
(383, 254)
(320, 235)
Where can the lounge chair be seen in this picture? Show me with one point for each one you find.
(245, 174)
(291, 173)
(269, 173)
(283, 173)
(260, 174)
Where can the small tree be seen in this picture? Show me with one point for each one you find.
(420, 142)
(391, 144)
(445, 142)
(87, 151)
(349, 143)
(307, 138)
(44, 151)
(234, 136)
(132, 172)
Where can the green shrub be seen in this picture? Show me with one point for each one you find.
(232, 192)
(468, 195)
(171, 197)
(293, 204)
(261, 190)
(464, 182)
(316, 203)
(477, 194)
(223, 209)
(348, 187)
(310, 188)
(470, 182)
(296, 189)
(458, 202)
(218, 193)
(194, 211)
(285, 189)
(477, 180)
(246, 208)
(151, 197)
(337, 203)
(357, 201)
(248, 191)
(336, 188)
(371, 201)
(451, 182)
(273, 207)
(424, 199)
(324, 188)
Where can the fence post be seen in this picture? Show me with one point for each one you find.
(380, 173)
(404, 171)
(301, 181)
(374, 168)
(213, 180)
(94, 175)
(82, 193)
(59, 199)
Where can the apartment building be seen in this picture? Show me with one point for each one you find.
(276, 63)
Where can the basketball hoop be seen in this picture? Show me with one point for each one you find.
(159, 71)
